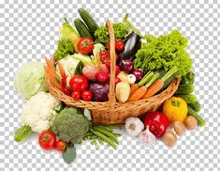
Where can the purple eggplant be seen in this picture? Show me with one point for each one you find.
(132, 44)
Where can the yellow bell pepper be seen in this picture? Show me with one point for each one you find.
(175, 109)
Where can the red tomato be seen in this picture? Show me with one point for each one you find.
(117, 80)
(87, 95)
(61, 145)
(108, 63)
(117, 70)
(104, 56)
(119, 45)
(108, 45)
(47, 140)
(76, 95)
(78, 83)
(157, 122)
(102, 77)
(85, 45)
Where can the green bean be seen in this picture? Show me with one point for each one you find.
(108, 140)
(107, 128)
(109, 134)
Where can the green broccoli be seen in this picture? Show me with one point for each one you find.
(120, 31)
(70, 125)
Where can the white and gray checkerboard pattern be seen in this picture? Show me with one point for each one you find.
(29, 31)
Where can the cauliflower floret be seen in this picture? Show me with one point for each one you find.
(39, 111)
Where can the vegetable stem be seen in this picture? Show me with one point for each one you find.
(172, 71)
(145, 79)
(153, 79)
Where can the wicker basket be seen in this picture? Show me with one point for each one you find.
(113, 112)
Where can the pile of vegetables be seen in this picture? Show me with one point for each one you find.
(145, 66)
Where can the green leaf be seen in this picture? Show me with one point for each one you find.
(22, 133)
(69, 154)
(79, 67)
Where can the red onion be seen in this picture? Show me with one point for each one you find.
(138, 74)
(127, 65)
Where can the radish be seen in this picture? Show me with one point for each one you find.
(90, 71)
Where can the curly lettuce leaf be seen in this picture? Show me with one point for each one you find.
(164, 52)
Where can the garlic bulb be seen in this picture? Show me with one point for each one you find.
(134, 126)
(147, 137)
(131, 79)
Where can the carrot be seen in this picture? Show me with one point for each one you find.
(143, 81)
(158, 85)
(62, 71)
(139, 93)
(50, 67)
(51, 76)
(154, 88)
(134, 87)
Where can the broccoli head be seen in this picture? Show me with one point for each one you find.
(70, 125)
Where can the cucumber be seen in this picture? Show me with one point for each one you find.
(82, 29)
(89, 20)
(185, 89)
(195, 106)
(199, 119)
(189, 98)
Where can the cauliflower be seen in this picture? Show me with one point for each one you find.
(39, 111)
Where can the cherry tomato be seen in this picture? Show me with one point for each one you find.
(85, 45)
(76, 95)
(119, 45)
(157, 122)
(104, 56)
(60, 145)
(108, 45)
(47, 140)
(117, 80)
(78, 83)
(102, 77)
(87, 95)
(108, 63)
(117, 70)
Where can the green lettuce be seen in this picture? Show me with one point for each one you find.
(164, 52)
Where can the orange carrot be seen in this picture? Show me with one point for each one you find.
(134, 87)
(50, 67)
(62, 71)
(51, 76)
(140, 92)
(158, 85)
(154, 88)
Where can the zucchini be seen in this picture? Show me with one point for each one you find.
(82, 29)
(185, 89)
(189, 98)
(89, 20)
(195, 106)
(199, 119)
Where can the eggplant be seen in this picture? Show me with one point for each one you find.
(132, 44)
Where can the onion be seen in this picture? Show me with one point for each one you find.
(138, 74)
(127, 65)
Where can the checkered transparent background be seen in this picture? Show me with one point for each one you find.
(28, 32)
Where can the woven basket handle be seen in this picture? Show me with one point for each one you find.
(111, 94)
